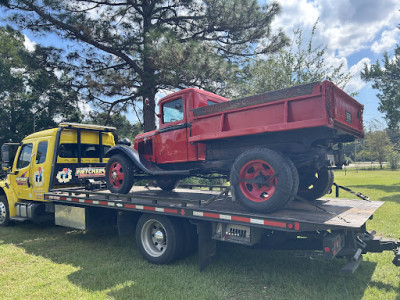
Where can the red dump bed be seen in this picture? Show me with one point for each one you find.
(300, 107)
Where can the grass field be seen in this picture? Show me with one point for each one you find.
(58, 263)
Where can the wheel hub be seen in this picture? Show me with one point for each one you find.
(2, 212)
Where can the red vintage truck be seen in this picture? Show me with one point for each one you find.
(271, 146)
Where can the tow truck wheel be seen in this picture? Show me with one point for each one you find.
(262, 180)
(167, 184)
(119, 174)
(4, 212)
(159, 238)
(314, 185)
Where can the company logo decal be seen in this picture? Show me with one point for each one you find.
(38, 177)
(22, 180)
(64, 176)
(90, 172)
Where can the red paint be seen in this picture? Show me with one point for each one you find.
(257, 170)
(103, 203)
(240, 219)
(275, 224)
(116, 174)
(327, 249)
(150, 208)
(130, 206)
(170, 211)
(89, 201)
(290, 226)
(327, 106)
(75, 200)
(211, 215)
(296, 225)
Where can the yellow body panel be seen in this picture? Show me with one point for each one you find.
(30, 181)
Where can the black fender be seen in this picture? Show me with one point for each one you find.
(145, 166)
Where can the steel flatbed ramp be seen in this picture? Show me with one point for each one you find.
(322, 214)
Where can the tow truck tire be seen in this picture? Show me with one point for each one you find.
(296, 180)
(167, 184)
(119, 174)
(314, 185)
(272, 170)
(4, 212)
(160, 239)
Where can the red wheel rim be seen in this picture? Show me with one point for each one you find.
(257, 181)
(116, 175)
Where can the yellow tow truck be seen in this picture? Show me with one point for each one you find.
(55, 158)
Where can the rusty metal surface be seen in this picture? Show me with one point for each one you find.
(292, 92)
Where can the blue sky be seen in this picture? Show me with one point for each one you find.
(356, 32)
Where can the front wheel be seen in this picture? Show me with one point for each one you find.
(263, 180)
(160, 239)
(119, 174)
(4, 212)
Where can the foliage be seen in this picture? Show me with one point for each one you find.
(124, 128)
(377, 146)
(394, 160)
(295, 65)
(32, 96)
(129, 50)
(386, 79)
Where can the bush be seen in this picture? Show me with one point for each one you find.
(393, 160)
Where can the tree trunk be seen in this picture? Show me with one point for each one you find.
(149, 118)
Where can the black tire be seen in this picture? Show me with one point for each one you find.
(296, 180)
(167, 184)
(119, 174)
(316, 184)
(160, 239)
(4, 212)
(262, 165)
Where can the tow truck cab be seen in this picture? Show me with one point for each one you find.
(60, 157)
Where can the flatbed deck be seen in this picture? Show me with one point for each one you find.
(323, 214)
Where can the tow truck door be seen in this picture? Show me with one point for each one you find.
(31, 176)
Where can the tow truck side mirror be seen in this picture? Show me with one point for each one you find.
(5, 157)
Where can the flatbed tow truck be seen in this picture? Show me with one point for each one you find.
(166, 223)
(58, 175)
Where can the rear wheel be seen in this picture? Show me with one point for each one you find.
(262, 179)
(159, 238)
(315, 184)
(4, 212)
(119, 174)
(167, 184)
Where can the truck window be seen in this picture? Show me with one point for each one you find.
(209, 102)
(88, 150)
(173, 111)
(41, 152)
(24, 158)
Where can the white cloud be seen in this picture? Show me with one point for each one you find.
(345, 26)
(29, 45)
(387, 41)
(356, 83)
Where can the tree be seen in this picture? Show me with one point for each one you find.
(32, 96)
(386, 79)
(377, 144)
(130, 50)
(295, 65)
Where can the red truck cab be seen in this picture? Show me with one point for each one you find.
(170, 142)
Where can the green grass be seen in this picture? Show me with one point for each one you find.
(59, 263)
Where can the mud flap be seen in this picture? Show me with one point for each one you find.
(207, 246)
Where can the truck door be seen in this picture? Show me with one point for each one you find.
(20, 176)
(31, 167)
(171, 140)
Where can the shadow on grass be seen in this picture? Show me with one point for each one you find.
(113, 265)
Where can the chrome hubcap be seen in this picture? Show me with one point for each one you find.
(154, 239)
